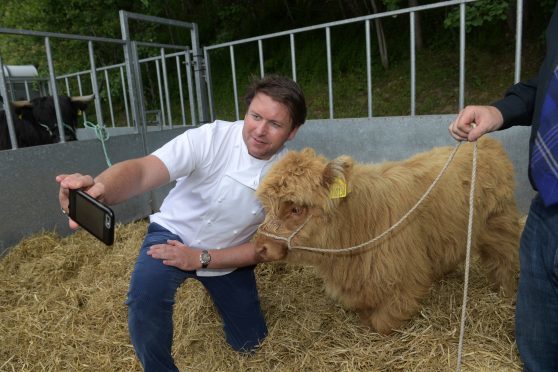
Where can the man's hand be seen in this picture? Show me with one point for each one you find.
(474, 121)
(176, 254)
(77, 181)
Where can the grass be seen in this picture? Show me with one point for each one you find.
(488, 74)
(489, 71)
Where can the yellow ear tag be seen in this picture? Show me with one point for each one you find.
(79, 112)
(338, 189)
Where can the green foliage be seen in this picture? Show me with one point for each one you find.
(226, 20)
(231, 17)
(478, 13)
(82, 17)
(392, 4)
(547, 5)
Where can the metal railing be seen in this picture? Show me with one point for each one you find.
(127, 81)
(128, 76)
(47, 36)
(327, 28)
(183, 66)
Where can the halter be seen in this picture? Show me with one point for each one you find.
(469, 236)
(288, 239)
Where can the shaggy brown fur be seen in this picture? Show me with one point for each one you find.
(386, 282)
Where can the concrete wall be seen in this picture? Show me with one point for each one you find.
(395, 138)
(28, 191)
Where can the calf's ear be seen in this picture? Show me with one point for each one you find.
(336, 176)
(308, 152)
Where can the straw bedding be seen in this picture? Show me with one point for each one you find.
(62, 308)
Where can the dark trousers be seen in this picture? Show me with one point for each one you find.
(537, 297)
(151, 298)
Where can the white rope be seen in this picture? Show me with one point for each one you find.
(467, 257)
(374, 240)
(469, 238)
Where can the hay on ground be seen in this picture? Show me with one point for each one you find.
(62, 308)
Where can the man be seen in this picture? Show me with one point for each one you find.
(205, 223)
(532, 103)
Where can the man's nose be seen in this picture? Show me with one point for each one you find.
(261, 128)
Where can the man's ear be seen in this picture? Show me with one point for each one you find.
(293, 133)
(336, 176)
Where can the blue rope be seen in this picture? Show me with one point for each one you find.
(102, 134)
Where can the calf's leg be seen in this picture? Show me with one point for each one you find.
(391, 314)
(498, 249)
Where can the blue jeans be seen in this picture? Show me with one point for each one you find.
(537, 297)
(151, 298)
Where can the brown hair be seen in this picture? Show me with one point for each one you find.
(283, 90)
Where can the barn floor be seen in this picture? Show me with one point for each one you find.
(62, 308)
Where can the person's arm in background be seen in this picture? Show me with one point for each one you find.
(516, 108)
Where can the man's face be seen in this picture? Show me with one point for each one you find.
(267, 126)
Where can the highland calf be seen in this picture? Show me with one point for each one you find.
(385, 282)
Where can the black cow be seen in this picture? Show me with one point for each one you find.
(35, 120)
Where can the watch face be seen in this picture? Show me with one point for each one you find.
(205, 258)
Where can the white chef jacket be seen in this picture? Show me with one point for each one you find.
(213, 203)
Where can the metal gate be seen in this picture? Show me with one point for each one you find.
(127, 79)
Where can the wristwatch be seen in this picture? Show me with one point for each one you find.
(205, 258)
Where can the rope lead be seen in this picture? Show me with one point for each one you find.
(102, 134)
(377, 238)
(467, 257)
(289, 239)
